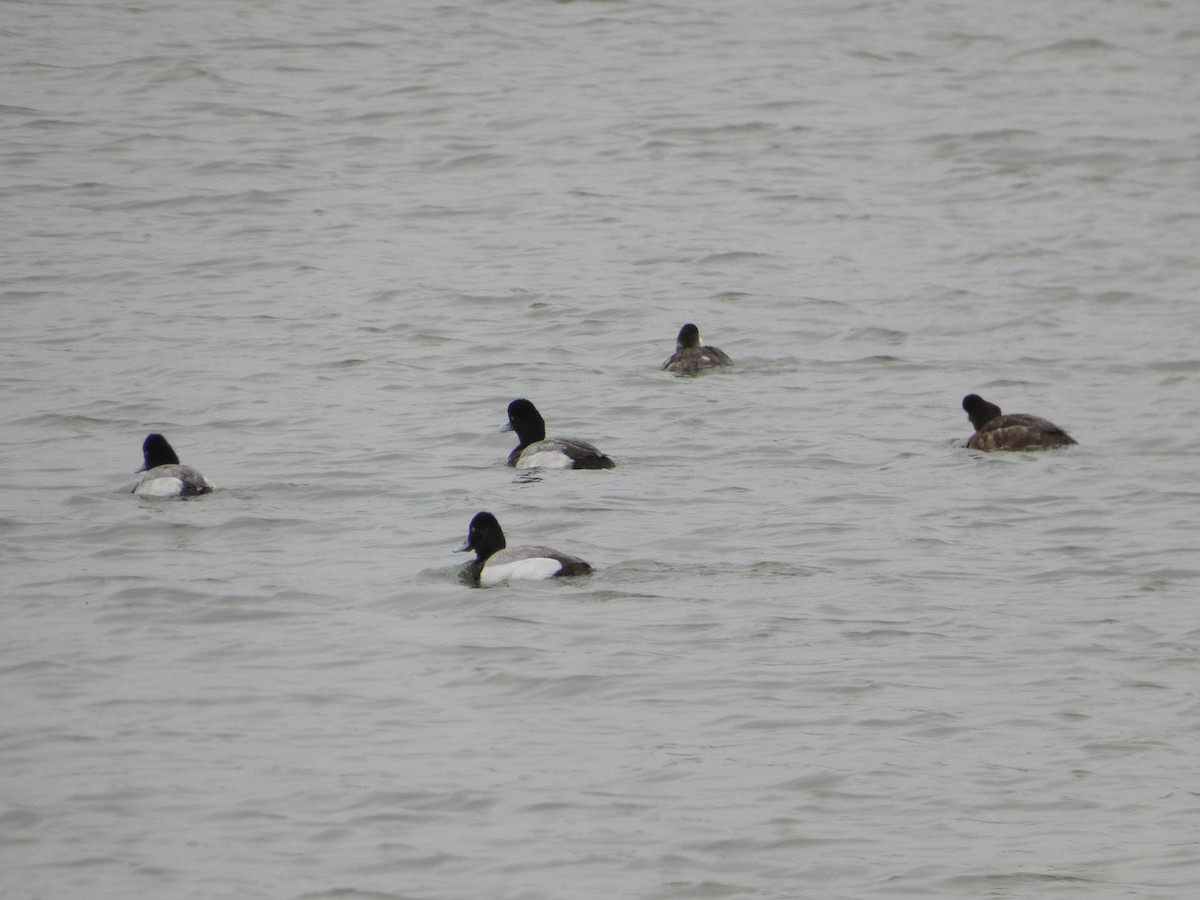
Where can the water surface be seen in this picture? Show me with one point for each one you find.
(827, 652)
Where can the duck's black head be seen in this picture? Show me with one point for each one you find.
(689, 336)
(526, 421)
(979, 410)
(484, 536)
(157, 452)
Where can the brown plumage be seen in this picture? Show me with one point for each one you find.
(1018, 431)
(692, 355)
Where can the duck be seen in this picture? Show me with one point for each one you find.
(494, 563)
(538, 451)
(692, 356)
(1017, 431)
(164, 476)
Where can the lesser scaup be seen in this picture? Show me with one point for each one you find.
(165, 477)
(995, 431)
(538, 451)
(494, 564)
(692, 355)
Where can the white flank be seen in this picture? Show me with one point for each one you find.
(536, 567)
(160, 486)
(544, 459)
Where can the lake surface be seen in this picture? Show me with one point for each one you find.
(827, 652)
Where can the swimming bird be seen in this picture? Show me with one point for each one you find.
(691, 355)
(165, 477)
(494, 564)
(536, 450)
(995, 431)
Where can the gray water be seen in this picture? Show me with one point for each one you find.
(827, 652)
